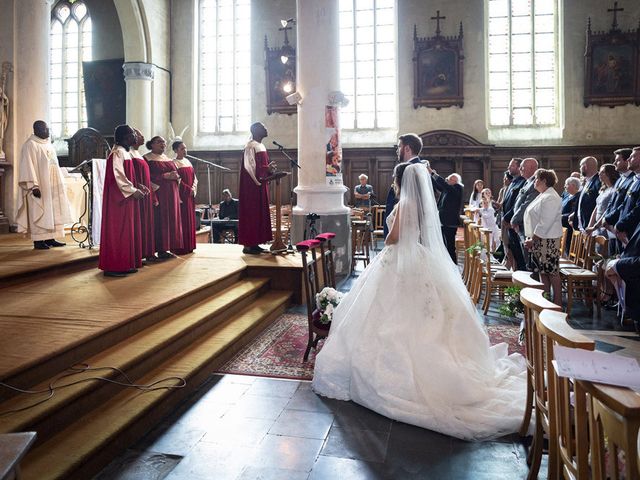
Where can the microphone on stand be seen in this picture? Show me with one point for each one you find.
(278, 145)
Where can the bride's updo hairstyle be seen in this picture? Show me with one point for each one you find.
(398, 172)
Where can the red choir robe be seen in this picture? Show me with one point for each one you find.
(118, 252)
(188, 189)
(254, 226)
(145, 223)
(167, 221)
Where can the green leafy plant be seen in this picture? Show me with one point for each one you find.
(512, 304)
(476, 248)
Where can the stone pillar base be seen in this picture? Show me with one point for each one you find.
(336, 223)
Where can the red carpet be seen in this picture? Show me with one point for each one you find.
(277, 352)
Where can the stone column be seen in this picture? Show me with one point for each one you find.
(139, 78)
(28, 85)
(318, 76)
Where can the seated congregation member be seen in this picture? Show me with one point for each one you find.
(476, 194)
(621, 187)
(608, 177)
(363, 193)
(587, 198)
(228, 206)
(572, 186)
(624, 273)
(188, 190)
(118, 255)
(145, 214)
(543, 229)
(167, 220)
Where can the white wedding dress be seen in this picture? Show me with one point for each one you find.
(406, 340)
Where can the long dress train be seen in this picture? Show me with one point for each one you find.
(406, 341)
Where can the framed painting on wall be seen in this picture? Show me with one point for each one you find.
(438, 70)
(612, 66)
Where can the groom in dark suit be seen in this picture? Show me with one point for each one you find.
(408, 149)
(449, 206)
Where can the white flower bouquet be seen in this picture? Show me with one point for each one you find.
(326, 301)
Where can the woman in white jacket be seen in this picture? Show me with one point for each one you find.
(543, 229)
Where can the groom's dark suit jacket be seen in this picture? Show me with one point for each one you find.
(628, 267)
(450, 201)
(391, 200)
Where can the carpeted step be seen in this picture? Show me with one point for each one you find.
(84, 447)
(135, 356)
(40, 369)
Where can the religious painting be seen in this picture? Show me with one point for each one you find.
(612, 66)
(281, 78)
(438, 68)
(333, 160)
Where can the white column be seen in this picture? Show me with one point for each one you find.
(32, 23)
(139, 78)
(317, 77)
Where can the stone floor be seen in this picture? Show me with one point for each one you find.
(240, 427)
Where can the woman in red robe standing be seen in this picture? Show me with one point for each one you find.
(188, 190)
(254, 226)
(118, 255)
(167, 221)
(145, 214)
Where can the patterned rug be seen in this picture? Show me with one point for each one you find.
(277, 352)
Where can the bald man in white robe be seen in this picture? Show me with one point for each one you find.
(42, 204)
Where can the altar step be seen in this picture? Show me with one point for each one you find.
(81, 428)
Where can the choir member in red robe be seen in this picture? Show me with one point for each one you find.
(118, 255)
(167, 221)
(188, 190)
(145, 215)
(254, 226)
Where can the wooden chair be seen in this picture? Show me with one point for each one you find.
(522, 279)
(534, 303)
(579, 279)
(466, 266)
(496, 277)
(567, 403)
(473, 233)
(326, 254)
(360, 242)
(313, 284)
(563, 240)
(378, 224)
(614, 414)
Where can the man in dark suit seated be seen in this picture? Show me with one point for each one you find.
(449, 205)
(624, 273)
(228, 211)
(572, 187)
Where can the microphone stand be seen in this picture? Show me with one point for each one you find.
(209, 206)
(297, 165)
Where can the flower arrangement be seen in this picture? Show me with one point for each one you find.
(326, 301)
(512, 304)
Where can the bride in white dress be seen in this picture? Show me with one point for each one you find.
(406, 340)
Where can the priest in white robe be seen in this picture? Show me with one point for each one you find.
(42, 204)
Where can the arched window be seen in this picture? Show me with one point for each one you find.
(224, 50)
(70, 46)
(523, 63)
(368, 63)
